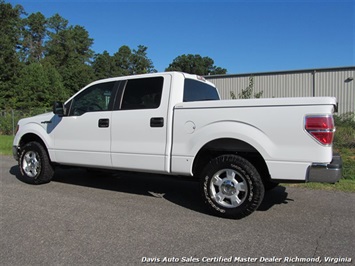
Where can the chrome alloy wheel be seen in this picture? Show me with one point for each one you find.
(228, 188)
(31, 164)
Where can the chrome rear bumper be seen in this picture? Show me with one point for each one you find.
(326, 173)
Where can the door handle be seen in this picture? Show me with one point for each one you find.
(157, 122)
(104, 122)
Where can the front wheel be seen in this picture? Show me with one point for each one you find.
(231, 187)
(34, 164)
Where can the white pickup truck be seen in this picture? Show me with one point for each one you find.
(175, 124)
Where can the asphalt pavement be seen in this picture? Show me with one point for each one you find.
(89, 218)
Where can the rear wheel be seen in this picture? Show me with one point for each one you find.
(34, 164)
(231, 187)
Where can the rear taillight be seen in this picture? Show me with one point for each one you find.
(321, 128)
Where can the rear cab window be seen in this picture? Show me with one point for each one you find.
(195, 90)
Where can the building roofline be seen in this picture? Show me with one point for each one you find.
(311, 70)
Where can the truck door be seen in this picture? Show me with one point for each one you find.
(139, 125)
(83, 136)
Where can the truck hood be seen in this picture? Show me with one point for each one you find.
(36, 119)
(260, 102)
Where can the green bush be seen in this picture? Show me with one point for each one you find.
(9, 119)
(344, 143)
(345, 131)
(6, 126)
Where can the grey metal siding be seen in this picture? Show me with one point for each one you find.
(334, 82)
(283, 85)
(337, 84)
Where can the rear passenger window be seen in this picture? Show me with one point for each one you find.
(142, 93)
(198, 91)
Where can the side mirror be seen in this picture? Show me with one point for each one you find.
(58, 108)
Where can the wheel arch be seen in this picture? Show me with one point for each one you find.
(223, 146)
(29, 137)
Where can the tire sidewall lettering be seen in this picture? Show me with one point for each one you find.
(208, 197)
(38, 153)
(45, 169)
(252, 179)
(247, 177)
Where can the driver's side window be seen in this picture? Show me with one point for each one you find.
(93, 99)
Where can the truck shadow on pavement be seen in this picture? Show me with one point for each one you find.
(182, 191)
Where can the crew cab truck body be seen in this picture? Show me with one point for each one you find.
(175, 124)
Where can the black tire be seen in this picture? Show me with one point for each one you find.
(34, 164)
(231, 187)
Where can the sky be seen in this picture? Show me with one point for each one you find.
(241, 36)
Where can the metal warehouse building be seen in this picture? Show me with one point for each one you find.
(336, 82)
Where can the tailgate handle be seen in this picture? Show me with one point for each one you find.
(104, 122)
(157, 122)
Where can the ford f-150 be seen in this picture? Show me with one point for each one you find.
(175, 124)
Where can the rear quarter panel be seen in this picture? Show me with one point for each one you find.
(277, 132)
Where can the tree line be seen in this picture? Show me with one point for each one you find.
(47, 59)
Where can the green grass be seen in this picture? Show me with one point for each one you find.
(347, 183)
(6, 144)
(348, 157)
